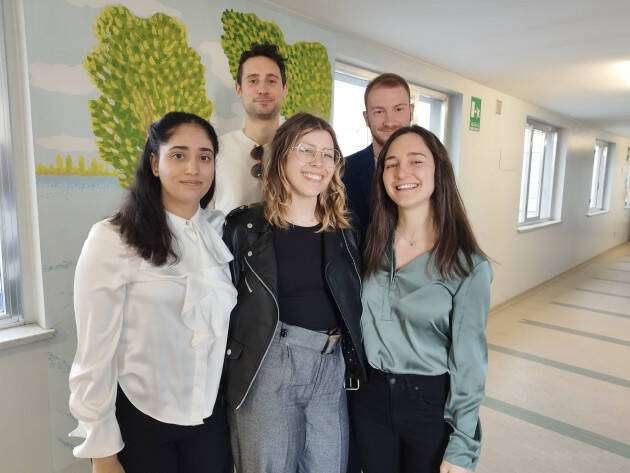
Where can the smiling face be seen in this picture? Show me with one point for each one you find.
(185, 167)
(308, 180)
(261, 88)
(409, 172)
(388, 109)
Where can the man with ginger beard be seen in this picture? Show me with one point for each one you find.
(387, 108)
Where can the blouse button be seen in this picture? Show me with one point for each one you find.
(249, 253)
(228, 352)
(249, 225)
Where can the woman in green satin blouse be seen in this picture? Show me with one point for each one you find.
(425, 305)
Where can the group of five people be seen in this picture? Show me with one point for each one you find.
(261, 340)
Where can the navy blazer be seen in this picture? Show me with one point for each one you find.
(358, 180)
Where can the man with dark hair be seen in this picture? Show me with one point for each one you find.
(387, 108)
(261, 84)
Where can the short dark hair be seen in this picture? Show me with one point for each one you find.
(389, 80)
(267, 50)
(141, 219)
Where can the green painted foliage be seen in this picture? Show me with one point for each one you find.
(143, 68)
(308, 69)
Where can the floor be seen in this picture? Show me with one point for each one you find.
(558, 388)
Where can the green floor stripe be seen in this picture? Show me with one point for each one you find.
(562, 366)
(602, 292)
(559, 427)
(580, 333)
(610, 280)
(590, 309)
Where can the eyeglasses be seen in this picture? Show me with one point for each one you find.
(257, 154)
(307, 153)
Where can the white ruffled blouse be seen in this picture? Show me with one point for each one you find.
(158, 332)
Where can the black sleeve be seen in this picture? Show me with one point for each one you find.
(230, 238)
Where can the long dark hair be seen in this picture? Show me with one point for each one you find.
(141, 218)
(452, 229)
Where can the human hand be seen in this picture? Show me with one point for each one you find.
(107, 465)
(447, 467)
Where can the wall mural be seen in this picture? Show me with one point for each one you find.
(144, 67)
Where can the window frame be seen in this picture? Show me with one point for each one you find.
(10, 264)
(418, 94)
(600, 182)
(548, 191)
(627, 196)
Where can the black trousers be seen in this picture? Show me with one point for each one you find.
(157, 447)
(398, 422)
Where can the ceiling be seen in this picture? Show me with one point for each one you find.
(570, 56)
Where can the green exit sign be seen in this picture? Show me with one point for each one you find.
(475, 114)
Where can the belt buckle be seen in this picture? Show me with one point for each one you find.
(332, 338)
(349, 384)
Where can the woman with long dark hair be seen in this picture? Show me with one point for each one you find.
(425, 298)
(294, 333)
(152, 299)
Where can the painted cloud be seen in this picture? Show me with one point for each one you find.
(138, 7)
(72, 80)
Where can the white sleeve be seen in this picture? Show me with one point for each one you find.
(99, 296)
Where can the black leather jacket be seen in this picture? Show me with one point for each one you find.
(253, 321)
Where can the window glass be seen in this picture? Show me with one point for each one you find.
(537, 179)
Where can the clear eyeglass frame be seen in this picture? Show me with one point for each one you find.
(307, 154)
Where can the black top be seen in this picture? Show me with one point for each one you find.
(303, 295)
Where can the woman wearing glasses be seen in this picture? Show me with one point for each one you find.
(152, 299)
(425, 306)
(294, 340)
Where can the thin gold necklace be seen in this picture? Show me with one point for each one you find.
(410, 242)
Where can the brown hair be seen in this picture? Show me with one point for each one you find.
(453, 231)
(331, 204)
(267, 50)
(389, 80)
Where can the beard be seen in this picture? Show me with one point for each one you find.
(260, 113)
(379, 139)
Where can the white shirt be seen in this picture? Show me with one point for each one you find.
(159, 332)
(235, 184)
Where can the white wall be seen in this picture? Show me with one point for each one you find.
(489, 178)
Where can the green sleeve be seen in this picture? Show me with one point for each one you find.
(468, 365)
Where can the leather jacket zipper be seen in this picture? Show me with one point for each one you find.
(356, 269)
(270, 341)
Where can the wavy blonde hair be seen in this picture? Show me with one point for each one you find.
(331, 203)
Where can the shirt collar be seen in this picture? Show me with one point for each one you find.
(179, 223)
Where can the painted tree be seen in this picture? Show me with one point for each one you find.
(308, 69)
(143, 68)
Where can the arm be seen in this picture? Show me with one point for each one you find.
(468, 365)
(99, 295)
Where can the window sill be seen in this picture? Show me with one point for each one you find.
(23, 334)
(597, 212)
(534, 226)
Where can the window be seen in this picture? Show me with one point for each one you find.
(627, 199)
(352, 133)
(537, 181)
(599, 181)
(10, 282)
